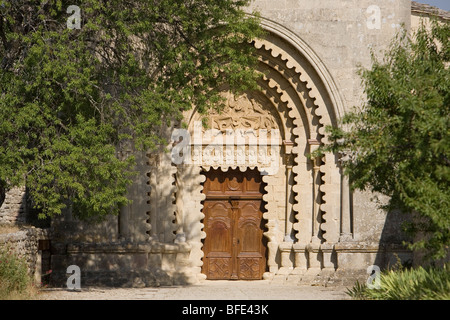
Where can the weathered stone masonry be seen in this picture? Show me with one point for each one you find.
(32, 245)
(13, 206)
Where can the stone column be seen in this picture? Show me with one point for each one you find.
(346, 232)
(286, 262)
(313, 249)
(316, 218)
(123, 222)
(300, 261)
(179, 202)
(328, 266)
(286, 246)
(271, 216)
(289, 163)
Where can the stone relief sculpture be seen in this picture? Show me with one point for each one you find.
(245, 111)
(243, 132)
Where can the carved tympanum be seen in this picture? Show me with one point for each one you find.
(242, 112)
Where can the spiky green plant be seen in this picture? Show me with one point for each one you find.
(408, 284)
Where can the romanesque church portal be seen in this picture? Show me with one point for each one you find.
(248, 201)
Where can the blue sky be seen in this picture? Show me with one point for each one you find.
(443, 4)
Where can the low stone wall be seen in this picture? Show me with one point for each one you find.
(33, 245)
(123, 264)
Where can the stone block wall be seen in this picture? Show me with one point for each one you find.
(342, 32)
(13, 206)
(33, 245)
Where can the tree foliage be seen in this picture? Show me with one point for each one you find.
(69, 98)
(398, 141)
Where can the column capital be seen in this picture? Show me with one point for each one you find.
(327, 247)
(288, 145)
(285, 246)
(313, 145)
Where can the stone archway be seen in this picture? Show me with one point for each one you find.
(303, 197)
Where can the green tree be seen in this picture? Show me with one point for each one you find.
(69, 98)
(398, 141)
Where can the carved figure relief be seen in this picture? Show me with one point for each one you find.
(242, 112)
(243, 132)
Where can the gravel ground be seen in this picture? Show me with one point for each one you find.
(206, 290)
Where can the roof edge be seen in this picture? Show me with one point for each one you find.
(426, 9)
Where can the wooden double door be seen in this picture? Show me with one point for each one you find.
(234, 247)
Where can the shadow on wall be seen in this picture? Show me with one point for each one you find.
(2, 195)
(392, 251)
(151, 277)
(116, 270)
(32, 214)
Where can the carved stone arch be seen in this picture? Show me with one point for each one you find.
(324, 85)
(328, 203)
(311, 71)
(300, 93)
(279, 82)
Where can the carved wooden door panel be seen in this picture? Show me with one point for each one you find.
(234, 246)
(250, 251)
(218, 248)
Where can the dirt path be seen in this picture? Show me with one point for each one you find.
(207, 290)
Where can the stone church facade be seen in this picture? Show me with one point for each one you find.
(247, 201)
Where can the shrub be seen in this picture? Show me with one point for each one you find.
(408, 284)
(15, 282)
